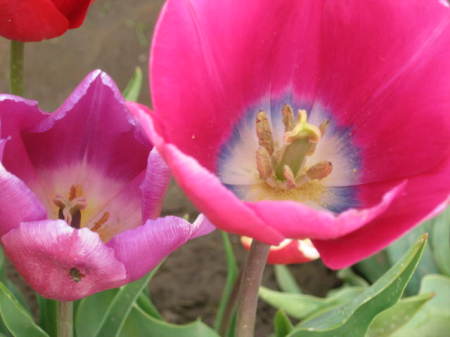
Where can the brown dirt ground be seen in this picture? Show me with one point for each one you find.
(115, 38)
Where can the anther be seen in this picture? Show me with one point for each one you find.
(264, 163)
(288, 117)
(264, 132)
(320, 170)
(103, 219)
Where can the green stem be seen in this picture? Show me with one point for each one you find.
(65, 319)
(248, 294)
(16, 68)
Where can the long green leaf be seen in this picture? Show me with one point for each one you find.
(353, 319)
(282, 324)
(440, 241)
(434, 319)
(392, 319)
(133, 89)
(121, 306)
(139, 324)
(16, 319)
(285, 280)
(302, 306)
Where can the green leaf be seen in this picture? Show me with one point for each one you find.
(434, 319)
(133, 89)
(121, 306)
(147, 305)
(302, 306)
(440, 241)
(232, 275)
(349, 277)
(426, 266)
(104, 314)
(392, 319)
(353, 318)
(282, 324)
(91, 312)
(16, 319)
(285, 280)
(140, 324)
(374, 267)
(48, 315)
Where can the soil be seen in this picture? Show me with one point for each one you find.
(115, 38)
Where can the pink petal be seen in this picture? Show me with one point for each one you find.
(93, 126)
(233, 54)
(219, 204)
(154, 186)
(143, 248)
(17, 202)
(63, 263)
(298, 221)
(18, 114)
(423, 197)
(399, 122)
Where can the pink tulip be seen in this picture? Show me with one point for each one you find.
(81, 192)
(327, 120)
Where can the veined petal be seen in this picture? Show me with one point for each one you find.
(93, 126)
(143, 248)
(17, 202)
(426, 194)
(61, 262)
(154, 186)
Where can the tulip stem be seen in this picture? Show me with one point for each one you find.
(65, 319)
(16, 67)
(248, 293)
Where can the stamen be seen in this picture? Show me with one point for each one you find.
(320, 170)
(70, 209)
(264, 132)
(264, 163)
(288, 117)
(104, 218)
(289, 176)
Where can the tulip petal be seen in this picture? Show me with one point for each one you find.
(234, 53)
(93, 126)
(296, 220)
(143, 248)
(31, 20)
(154, 186)
(17, 202)
(423, 197)
(74, 11)
(61, 262)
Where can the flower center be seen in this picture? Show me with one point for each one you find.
(70, 209)
(283, 166)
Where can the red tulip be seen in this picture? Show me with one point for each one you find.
(35, 20)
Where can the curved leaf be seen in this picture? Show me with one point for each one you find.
(353, 319)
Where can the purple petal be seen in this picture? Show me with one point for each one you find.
(143, 248)
(61, 262)
(17, 202)
(154, 186)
